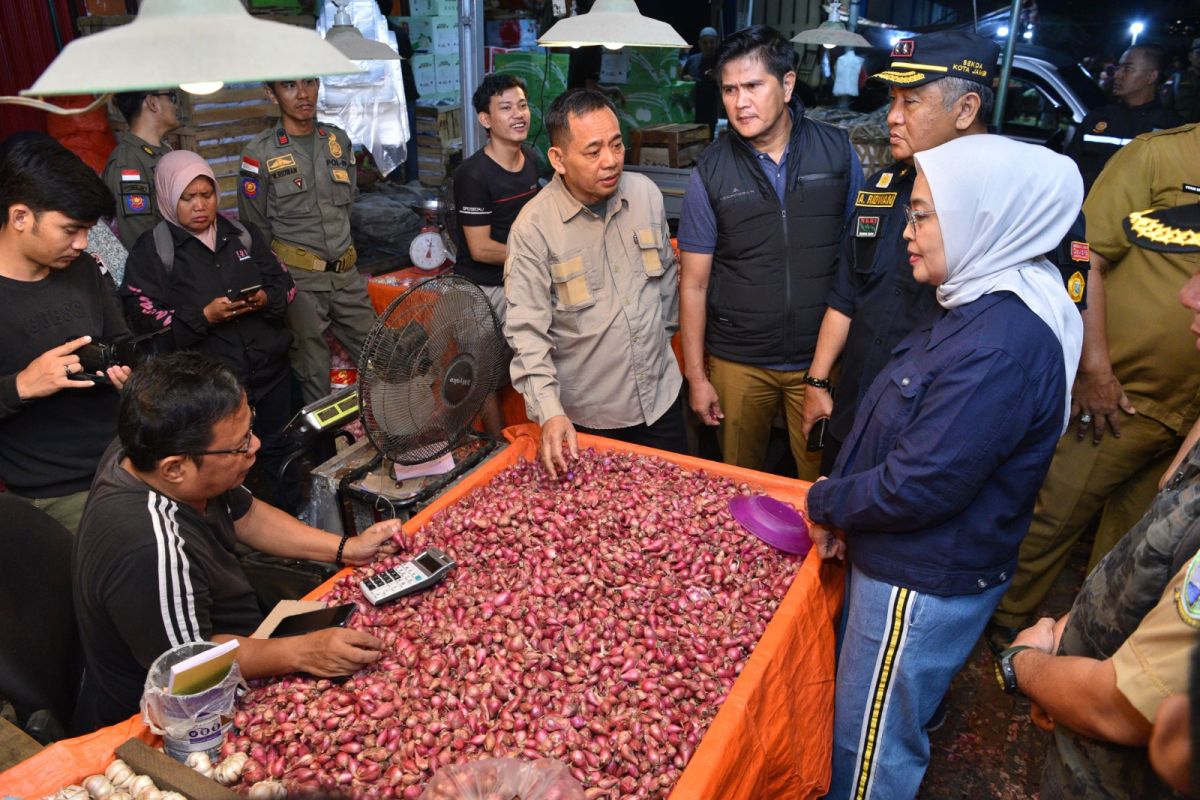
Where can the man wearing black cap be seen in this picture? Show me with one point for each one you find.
(941, 85)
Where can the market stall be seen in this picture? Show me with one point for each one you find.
(770, 737)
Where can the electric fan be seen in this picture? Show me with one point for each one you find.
(427, 365)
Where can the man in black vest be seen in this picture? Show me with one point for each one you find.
(761, 225)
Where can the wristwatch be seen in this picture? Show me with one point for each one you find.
(820, 383)
(1006, 676)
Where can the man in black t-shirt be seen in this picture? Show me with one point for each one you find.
(154, 563)
(490, 189)
(53, 301)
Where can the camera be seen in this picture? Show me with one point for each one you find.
(125, 352)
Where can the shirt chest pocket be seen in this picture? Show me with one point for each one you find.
(901, 396)
(570, 286)
(649, 242)
(292, 193)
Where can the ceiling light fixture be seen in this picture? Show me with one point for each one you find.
(613, 24)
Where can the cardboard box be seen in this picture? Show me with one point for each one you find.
(449, 76)
(640, 66)
(420, 30)
(514, 33)
(425, 73)
(489, 56)
(433, 7)
(445, 35)
(654, 106)
(438, 122)
(676, 144)
(542, 80)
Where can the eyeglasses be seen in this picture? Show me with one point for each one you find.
(236, 451)
(172, 96)
(914, 217)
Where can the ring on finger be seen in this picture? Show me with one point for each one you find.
(67, 367)
(1085, 419)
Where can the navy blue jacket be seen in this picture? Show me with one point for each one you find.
(936, 482)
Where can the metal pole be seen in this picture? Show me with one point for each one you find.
(470, 66)
(1014, 19)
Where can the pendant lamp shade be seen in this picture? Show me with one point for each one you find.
(831, 34)
(353, 45)
(614, 24)
(175, 42)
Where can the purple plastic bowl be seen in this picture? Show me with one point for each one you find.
(776, 523)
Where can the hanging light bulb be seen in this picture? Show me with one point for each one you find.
(202, 87)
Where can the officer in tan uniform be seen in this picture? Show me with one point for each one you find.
(297, 181)
(1138, 388)
(129, 173)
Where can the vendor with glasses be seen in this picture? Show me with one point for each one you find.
(154, 564)
(129, 173)
(934, 486)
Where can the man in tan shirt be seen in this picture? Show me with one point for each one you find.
(590, 285)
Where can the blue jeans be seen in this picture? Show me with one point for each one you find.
(898, 653)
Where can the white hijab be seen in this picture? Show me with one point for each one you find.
(1001, 204)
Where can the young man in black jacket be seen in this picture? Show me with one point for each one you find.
(54, 301)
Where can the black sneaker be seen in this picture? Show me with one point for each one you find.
(939, 715)
(999, 637)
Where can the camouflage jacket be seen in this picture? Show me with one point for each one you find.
(1117, 594)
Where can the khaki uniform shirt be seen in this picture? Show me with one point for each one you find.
(1153, 662)
(1153, 352)
(302, 201)
(129, 175)
(592, 303)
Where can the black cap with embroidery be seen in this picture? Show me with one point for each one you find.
(1167, 230)
(944, 54)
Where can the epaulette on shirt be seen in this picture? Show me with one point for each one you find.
(1168, 131)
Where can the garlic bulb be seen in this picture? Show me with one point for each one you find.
(72, 792)
(119, 773)
(138, 784)
(269, 789)
(149, 793)
(120, 795)
(171, 796)
(98, 786)
(200, 762)
(228, 771)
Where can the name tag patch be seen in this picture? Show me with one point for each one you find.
(242, 255)
(875, 199)
(279, 162)
(867, 227)
(1191, 188)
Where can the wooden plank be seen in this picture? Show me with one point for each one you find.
(246, 127)
(15, 745)
(232, 95)
(214, 114)
(213, 152)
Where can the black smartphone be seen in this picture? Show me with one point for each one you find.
(243, 294)
(309, 621)
(816, 437)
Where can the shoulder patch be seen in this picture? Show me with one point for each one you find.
(136, 204)
(1080, 251)
(249, 165)
(1076, 285)
(130, 175)
(1187, 596)
(885, 180)
(148, 151)
(875, 199)
(281, 138)
(339, 175)
(250, 187)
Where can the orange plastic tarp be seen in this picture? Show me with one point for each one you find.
(771, 738)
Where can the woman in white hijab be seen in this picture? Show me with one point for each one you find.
(935, 485)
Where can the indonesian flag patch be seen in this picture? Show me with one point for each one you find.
(249, 165)
(130, 175)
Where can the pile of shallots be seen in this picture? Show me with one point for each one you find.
(599, 619)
